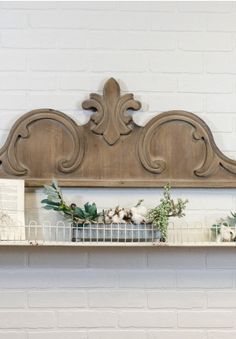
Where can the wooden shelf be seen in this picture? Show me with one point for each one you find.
(114, 244)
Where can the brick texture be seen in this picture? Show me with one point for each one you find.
(172, 55)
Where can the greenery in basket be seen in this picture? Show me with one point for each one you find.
(159, 215)
(55, 201)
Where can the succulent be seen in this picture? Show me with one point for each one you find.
(159, 215)
(55, 201)
(87, 214)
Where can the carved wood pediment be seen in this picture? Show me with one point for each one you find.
(109, 119)
(112, 151)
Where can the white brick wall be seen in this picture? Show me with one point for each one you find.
(172, 55)
(93, 302)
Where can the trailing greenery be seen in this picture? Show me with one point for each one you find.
(55, 201)
(159, 215)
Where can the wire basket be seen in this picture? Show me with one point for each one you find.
(61, 232)
(115, 233)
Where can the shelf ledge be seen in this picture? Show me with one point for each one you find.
(113, 244)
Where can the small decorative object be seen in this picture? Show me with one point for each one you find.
(117, 215)
(159, 215)
(225, 229)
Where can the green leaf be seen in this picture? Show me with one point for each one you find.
(50, 202)
(48, 207)
(56, 208)
(86, 215)
(93, 210)
(53, 198)
(92, 207)
(86, 207)
(78, 212)
(48, 189)
(55, 184)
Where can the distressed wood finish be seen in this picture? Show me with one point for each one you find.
(109, 118)
(112, 151)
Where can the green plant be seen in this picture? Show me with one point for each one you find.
(159, 215)
(56, 202)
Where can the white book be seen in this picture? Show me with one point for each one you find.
(12, 211)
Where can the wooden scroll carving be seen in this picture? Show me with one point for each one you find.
(112, 151)
(110, 120)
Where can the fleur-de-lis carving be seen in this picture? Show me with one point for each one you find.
(109, 118)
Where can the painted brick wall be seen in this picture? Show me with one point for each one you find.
(172, 55)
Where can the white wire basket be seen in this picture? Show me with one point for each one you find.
(116, 234)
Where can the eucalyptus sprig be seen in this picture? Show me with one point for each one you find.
(159, 215)
(56, 202)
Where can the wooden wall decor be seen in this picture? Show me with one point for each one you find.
(112, 151)
(110, 119)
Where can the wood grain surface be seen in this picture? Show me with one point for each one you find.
(112, 151)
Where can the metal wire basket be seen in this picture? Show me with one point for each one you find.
(115, 233)
(61, 232)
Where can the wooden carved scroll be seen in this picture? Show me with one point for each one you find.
(112, 151)
(110, 119)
